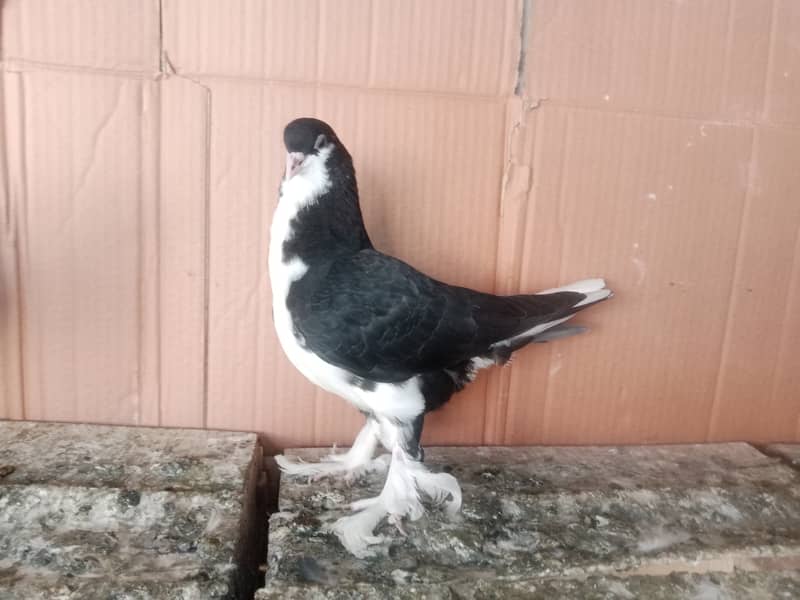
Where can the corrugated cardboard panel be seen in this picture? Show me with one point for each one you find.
(431, 45)
(10, 340)
(78, 227)
(266, 39)
(182, 249)
(120, 35)
(650, 142)
(782, 102)
(636, 199)
(445, 45)
(407, 178)
(704, 58)
(757, 397)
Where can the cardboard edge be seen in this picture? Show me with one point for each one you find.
(515, 185)
(149, 268)
(713, 415)
(12, 396)
(183, 251)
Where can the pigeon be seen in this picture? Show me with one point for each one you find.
(385, 337)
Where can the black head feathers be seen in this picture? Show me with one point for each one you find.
(308, 135)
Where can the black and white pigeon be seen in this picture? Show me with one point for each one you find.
(392, 341)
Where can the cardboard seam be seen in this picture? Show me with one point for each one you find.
(334, 86)
(171, 71)
(4, 172)
(519, 87)
(263, 279)
(14, 65)
(525, 106)
(161, 54)
(506, 166)
(511, 164)
(709, 120)
(770, 60)
(98, 133)
(20, 244)
(726, 65)
(15, 406)
(318, 55)
(371, 47)
(716, 399)
(20, 331)
(23, 65)
(791, 293)
(547, 404)
(156, 276)
(206, 250)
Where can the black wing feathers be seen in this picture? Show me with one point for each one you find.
(382, 320)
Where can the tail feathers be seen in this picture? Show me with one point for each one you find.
(592, 290)
(558, 332)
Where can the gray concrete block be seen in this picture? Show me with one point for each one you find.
(789, 452)
(548, 519)
(129, 513)
(678, 586)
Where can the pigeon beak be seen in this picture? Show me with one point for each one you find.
(294, 160)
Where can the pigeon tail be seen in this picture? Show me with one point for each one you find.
(592, 291)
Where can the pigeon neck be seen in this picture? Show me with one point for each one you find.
(331, 224)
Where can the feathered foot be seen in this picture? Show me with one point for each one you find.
(351, 464)
(399, 498)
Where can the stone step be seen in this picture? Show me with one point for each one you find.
(555, 518)
(679, 586)
(92, 511)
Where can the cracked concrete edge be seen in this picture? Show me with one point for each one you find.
(678, 586)
(789, 454)
(141, 458)
(253, 525)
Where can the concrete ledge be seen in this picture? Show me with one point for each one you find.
(788, 452)
(95, 511)
(679, 586)
(655, 522)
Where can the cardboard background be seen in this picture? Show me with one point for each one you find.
(506, 146)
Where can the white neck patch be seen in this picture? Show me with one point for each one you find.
(310, 181)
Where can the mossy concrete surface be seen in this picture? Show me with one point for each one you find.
(692, 521)
(92, 511)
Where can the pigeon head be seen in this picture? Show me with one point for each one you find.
(309, 142)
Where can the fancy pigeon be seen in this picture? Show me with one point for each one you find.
(387, 338)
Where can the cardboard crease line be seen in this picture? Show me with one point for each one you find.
(713, 414)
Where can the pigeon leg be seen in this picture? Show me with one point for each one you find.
(406, 479)
(356, 460)
(413, 447)
(398, 499)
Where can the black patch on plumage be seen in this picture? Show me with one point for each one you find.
(361, 383)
